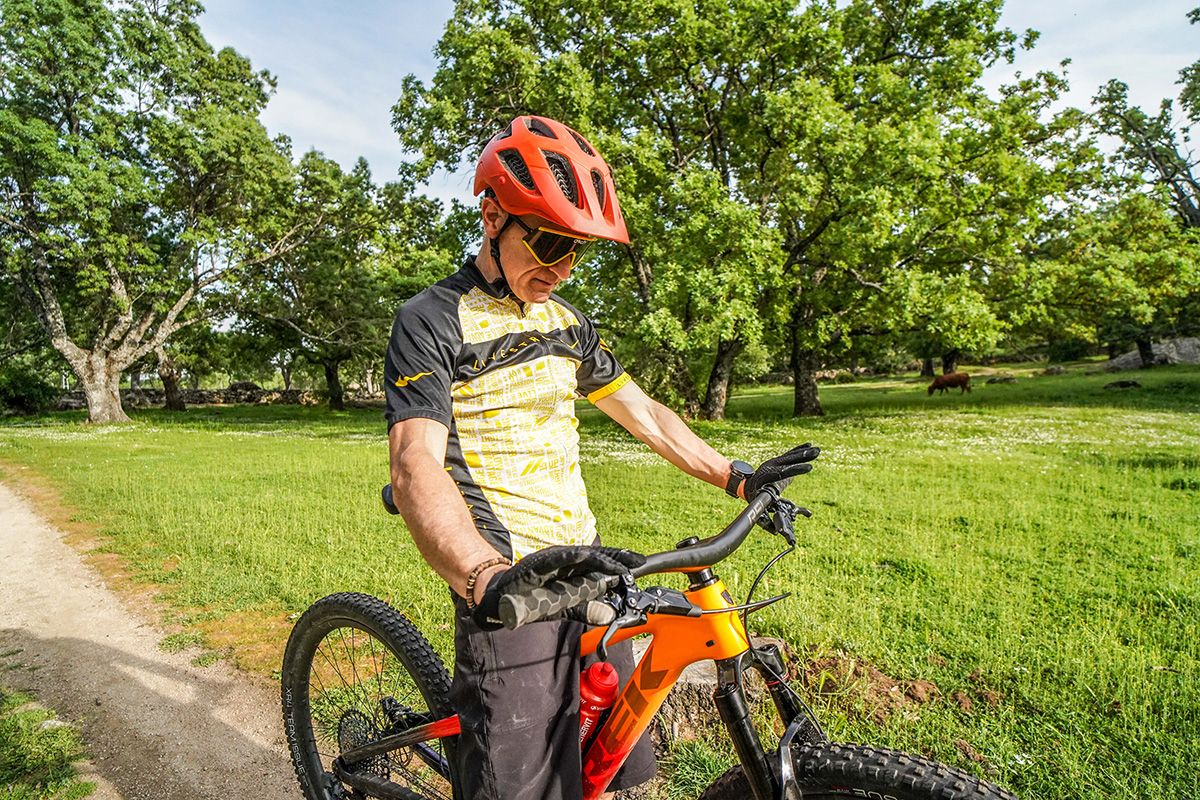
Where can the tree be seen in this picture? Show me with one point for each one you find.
(134, 176)
(777, 166)
(1125, 272)
(1155, 146)
(329, 295)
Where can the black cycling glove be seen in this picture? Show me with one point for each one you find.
(561, 581)
(792, 463)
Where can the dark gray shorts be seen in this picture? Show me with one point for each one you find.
(517, 697)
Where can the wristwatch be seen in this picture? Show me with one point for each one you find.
(738, 472)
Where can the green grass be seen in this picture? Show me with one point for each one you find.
(1035, 543)
(37, 753)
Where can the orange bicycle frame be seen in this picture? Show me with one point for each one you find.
(677, 643)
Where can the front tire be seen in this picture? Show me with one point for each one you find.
(829, 770)
(355, 670)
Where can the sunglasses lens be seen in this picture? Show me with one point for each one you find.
(549, 248)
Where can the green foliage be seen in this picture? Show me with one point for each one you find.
(23, 390)
(1155, 146)
(37, 754)
(1119, 273)
(136, 173)
(331, 298)
(779, 168)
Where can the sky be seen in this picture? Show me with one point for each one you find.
(339, 71)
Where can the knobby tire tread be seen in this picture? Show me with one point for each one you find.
(382, 621)
(819, 767)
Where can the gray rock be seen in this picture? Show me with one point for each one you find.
(1172, 351)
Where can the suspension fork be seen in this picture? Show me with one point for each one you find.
(730, 699)
(767, 781)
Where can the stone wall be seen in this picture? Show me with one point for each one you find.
(237, 393)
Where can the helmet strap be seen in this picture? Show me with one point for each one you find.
(501, 283)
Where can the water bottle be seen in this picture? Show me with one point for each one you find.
(598, 687)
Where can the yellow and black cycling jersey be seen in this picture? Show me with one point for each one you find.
(503, 376)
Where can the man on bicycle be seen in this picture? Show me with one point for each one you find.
(483, 369)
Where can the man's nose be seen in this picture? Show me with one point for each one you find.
(562, 269)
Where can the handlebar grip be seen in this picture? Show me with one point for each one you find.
(553, 600)
(386, 496)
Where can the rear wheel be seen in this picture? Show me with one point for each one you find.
(356, 670)
(830, 770)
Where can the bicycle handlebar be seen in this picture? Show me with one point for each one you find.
(697, 556)
(716, 548)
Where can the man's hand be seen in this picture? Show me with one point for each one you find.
(792, 463)
(566, 581)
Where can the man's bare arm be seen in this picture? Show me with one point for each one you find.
(665, 433)
(432, 506)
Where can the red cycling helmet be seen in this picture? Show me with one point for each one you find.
(539, 166)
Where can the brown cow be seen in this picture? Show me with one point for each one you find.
(943, 382)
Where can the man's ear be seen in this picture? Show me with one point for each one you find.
(493, 217)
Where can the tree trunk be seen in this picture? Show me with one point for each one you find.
(1146, 351)
(286, 362)
(101, 380)
(950, 361)
(717, 394)
(136, 396)
(170, 380)
(805, 363)
(927, 368)
(337, 400)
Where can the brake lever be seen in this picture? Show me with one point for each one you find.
(782, 518)
(633, 608)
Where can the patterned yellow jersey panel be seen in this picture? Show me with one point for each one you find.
(503, 377)
(484, 317)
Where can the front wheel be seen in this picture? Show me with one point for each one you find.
(830, 770)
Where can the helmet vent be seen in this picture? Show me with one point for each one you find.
(583, 145)
(561, 169)
(507, 132)
(540, 128)
(517, 166)
(598, 185)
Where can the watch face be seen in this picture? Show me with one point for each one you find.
(742, 468)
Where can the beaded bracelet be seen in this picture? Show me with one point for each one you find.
(474, 576)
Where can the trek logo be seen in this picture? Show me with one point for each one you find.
(405, 380)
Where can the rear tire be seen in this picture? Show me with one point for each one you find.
(356, 669)
(830, 770)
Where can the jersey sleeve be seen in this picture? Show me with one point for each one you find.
(419, 364)
(599, 373)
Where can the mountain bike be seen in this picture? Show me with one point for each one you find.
(366, 711)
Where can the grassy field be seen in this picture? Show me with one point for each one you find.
(1021, 564)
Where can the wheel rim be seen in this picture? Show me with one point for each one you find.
(358, 689)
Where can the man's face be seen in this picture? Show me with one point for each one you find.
(529, 280)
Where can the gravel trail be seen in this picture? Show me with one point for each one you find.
(156, 727)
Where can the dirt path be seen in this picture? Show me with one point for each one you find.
(157, 728)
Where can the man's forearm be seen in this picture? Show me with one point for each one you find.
(666, 434)
(672, 439)
(440, 523)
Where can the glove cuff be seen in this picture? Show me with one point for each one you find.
(474, 574)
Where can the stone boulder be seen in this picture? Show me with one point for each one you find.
(1172, 351)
